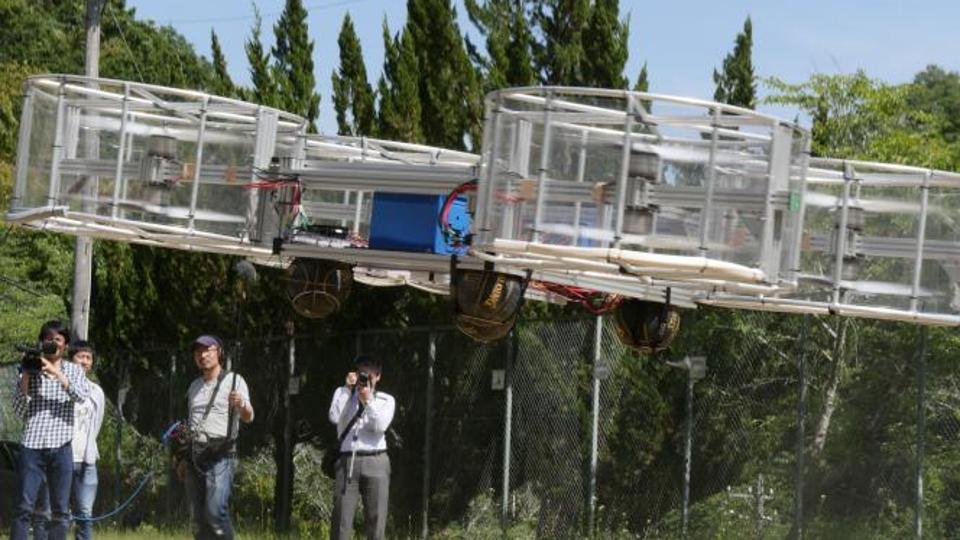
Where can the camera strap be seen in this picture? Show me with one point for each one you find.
(350, 424)
(213, 396)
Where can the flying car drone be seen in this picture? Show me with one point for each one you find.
(634, 203)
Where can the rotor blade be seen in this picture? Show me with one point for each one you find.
(876, 206)
(867, 287)
(182, 212)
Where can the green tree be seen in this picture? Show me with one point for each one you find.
(399, 90)
(643, 84)
(293, 57)
(450, 96)
(509, 59)
(353, 97)
(222, 84)
(262, 76)
(559, 54)
(937, 92)
(736, 83)
(605, 46)
(858, 117)
(643, 80)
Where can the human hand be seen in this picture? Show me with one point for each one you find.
(365, 394)
(351, 379)
(53, 370)
(235, 400)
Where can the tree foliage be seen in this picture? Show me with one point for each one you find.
(509, 58)
(605, 46)
(353, 97)
(449, 86)
(293, 57)
(222, 83)
(399, 90)
(264, 91)
(559, 52)
(736, 83)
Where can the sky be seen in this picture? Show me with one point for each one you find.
(681, 41)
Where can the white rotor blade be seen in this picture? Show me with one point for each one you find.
(182, 212)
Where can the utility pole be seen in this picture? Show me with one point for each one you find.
(83, 247)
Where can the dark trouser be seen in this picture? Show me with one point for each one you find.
(371, 481)
(41, 513)
(55, 466)
(208, 493)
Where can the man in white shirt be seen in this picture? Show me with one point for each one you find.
(217, 401)
(87, 419)
(363, 413)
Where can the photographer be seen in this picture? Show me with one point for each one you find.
(47, 390)
(362, 415)
(216, 401)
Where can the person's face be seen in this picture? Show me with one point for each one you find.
(85, 360)
(206, 357)
(61, 346)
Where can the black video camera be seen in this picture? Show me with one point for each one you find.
(31, 361)
(363, 379)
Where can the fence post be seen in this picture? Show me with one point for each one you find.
(428, 436)
(507, 426)
(171, 411)
(801, 432)
(283, 492)
(921, 431)
(594, 424)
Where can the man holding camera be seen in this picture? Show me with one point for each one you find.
(216, 401)
(47, 391)
(362, 415)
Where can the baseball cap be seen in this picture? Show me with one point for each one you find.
(206, 340)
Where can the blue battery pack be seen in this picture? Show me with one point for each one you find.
(409, 222)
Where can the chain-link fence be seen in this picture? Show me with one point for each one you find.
(800, 426)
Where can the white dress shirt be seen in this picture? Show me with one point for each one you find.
(369, 431)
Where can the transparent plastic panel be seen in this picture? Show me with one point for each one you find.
(42, 137)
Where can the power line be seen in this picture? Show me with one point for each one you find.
(239, 18)
(133, 57)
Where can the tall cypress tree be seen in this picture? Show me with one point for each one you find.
(264, 89)
(737, 84)
(559, 57)
(399, 90)
(605, 46)
(222, 84)
(293, 54)
(643, 80)
(451, 107)
(643, 85)
(352, 95)
(508, 60)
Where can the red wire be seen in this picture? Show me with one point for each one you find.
(585, 297)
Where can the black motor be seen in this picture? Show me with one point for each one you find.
(648, 327)
(486, 302)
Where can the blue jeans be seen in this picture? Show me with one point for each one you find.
(55, 466)
(84, 493)
(208, 493)
(41, 513)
